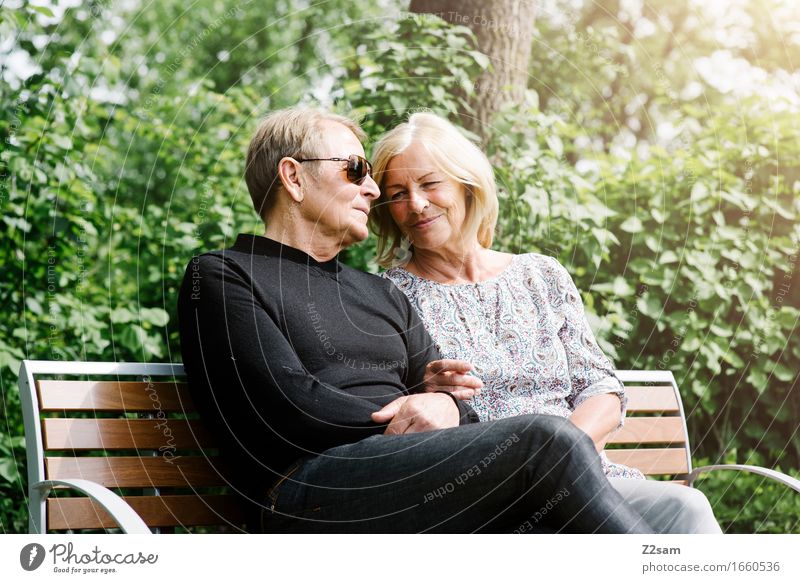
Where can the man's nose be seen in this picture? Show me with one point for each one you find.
(369, 188)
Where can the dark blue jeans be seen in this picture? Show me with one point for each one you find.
(531, 473)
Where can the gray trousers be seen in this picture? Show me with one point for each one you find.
(668, 508)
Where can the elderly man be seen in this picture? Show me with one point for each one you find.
(313, 374)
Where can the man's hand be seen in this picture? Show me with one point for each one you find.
(418, 413)
(450, 376)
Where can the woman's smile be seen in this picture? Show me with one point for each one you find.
(425, 222)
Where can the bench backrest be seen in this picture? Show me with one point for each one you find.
(135, 432)
(654, 438)
(132, 427)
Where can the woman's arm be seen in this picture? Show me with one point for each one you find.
(598, 417)
(597, 397)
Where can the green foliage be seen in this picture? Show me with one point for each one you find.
(417, 62)
(746, 503)
(689, 254)
(122, 159)
(714, 251)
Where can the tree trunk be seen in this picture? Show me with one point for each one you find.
(504, 31)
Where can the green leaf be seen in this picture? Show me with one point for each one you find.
(632, 225)
(555, 144)
(720, 331)
(667, 257)
(758, 379)
(62, 142)
(785, 213)
(34, 306)
(11, 360)
(122, 316)
(699, 192)
(482, 60)
(155, 316)
(782, 373)
(641, 265)
(42, 10)
(691, 343)
(603, 236)
(622, 287)
(649, 306)
(652, 243)
(8, 470)
(733, 359)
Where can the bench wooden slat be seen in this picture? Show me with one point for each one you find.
(127, 396)
(659, 399)
(161, 511)
(652, 461)
(110, 434)
(650, 430)
(136, 472)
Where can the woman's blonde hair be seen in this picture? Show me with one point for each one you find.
(453, 154)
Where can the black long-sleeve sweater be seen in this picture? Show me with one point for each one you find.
(287, 356)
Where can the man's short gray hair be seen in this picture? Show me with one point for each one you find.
(294, 132)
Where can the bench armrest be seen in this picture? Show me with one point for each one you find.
(788, 481)
(126, 517)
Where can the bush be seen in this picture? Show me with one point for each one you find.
(747, 503)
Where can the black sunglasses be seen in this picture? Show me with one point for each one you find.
(358, 168)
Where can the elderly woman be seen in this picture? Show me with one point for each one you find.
(518, 320)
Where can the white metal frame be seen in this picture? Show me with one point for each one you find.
(637, 376)
(38, 487)
(127, 518)
(780, 477)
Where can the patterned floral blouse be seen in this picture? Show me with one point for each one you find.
(526, 335)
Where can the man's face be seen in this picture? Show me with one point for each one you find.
(337, 207)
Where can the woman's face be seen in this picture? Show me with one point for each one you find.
(427, 205)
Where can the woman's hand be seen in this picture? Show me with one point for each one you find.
(451, 376)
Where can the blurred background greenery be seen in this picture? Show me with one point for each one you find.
(652, 147)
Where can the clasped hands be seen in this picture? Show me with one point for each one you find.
(431, 410)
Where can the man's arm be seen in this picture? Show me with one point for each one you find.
(422, 353)
(233, 346)
(427, 372)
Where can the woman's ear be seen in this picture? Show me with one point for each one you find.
(290, 174)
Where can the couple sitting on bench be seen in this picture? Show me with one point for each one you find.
(463, 391)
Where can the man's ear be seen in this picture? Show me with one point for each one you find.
(290, 174)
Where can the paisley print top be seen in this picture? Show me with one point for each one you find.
(526, 335)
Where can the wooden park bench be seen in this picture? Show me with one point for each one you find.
(97, 427)
(125, 437)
